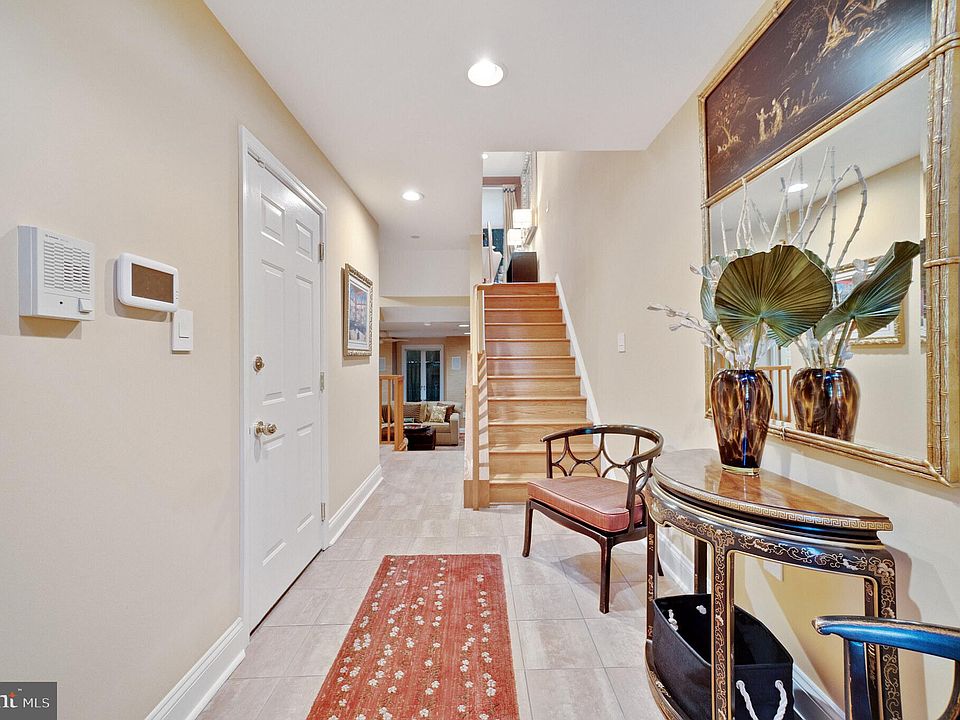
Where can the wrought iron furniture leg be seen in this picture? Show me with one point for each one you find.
(527, 528)
(605, 560)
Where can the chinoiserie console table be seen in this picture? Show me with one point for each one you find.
(771, 517)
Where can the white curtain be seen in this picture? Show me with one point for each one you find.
(509, 205)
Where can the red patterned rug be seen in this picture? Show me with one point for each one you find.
(430, 640)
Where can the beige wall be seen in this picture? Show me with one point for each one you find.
(620, 229)
(119, 518)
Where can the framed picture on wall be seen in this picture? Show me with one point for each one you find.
(357, 312)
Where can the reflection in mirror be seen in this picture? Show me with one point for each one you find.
(887, 142)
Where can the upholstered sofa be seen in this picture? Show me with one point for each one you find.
(448, 432)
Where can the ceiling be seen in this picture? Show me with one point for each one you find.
(503, 164)
(382, 89)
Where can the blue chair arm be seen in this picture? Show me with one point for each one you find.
(920, 637)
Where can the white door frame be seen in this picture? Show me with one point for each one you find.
(420, 346)
(249, 145)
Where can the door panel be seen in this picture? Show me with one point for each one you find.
(413, 379)
(282, 310)
(431, 362)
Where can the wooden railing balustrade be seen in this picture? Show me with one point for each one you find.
(390, 428)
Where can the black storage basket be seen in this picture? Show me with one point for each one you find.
(682, 659)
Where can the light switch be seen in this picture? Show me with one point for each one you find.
(621, 342)
(181, 334)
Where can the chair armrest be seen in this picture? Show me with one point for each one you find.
(920, 637)
(455, 424)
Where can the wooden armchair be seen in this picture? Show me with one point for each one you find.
(919, 637)
(594, 504)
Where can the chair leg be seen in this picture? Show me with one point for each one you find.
(527, 527)
(605, 559)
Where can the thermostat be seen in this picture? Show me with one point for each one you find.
(147, 284)
(56, 275)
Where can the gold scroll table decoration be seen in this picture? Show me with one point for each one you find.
(771, 517)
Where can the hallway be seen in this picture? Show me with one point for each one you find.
(570, 662)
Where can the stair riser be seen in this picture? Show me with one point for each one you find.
(532, 366)
(508, 464)
(508, 492)
(492, 332)
(526, 348)
(533, 387)
(515, 434)
(523, 316)
(527, 302)
(575, 409)
(522, 289)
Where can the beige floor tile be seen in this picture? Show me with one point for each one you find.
(572, 695)
(438, 528)
(344, 549)
(323, 573)
(480, 545)
(300, 606)
(239, 700)
(633, 691)
(359, 574)
(624, 600)
(516, 652)
(291, 699)
(393, 529)
(619, 640)
(318, 650)
(357, 529)
(586, 568)
(632, 566)
(376, 548)
(545, 602)
(535, 571)
(342, 607)
(474, 523)
(270, 651)
(433, 546)
(557, 644)
(439, 512)
(523, 700)
(541, 547)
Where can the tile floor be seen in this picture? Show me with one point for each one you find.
(571, 662)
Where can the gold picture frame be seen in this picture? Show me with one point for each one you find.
(941, 264)
(357, 313)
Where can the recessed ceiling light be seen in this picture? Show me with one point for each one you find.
(797, 187)
(464, 325)
(484, 156)
(485, 73)
(466, 333)
(413, 195)
(428, 324)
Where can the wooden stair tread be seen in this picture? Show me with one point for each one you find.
(535, 398)
(523, 324)
(562, 422)
(528, 357)
(533, 377)
(524, 477)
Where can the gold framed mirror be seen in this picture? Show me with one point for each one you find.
(831, 84)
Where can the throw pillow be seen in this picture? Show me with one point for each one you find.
(412, 410)
(451, 409)
(437, 413)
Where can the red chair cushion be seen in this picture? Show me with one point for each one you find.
(598, 502)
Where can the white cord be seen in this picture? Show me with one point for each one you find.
(781, 710)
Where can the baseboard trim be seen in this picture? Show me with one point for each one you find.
(190, 696)
(592, 412)
(348, 511)
(810, 701)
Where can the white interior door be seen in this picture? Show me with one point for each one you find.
(282, 304)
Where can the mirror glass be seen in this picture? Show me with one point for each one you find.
(887, 141)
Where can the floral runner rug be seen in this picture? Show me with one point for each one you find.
(430, 640)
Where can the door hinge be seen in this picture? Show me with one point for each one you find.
(322, 247)
(323, 512)
(323, 381)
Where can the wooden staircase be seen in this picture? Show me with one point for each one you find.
(532, 388)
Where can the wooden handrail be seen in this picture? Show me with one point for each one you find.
(474, 495)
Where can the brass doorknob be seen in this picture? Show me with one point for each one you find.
(262, 428)
(258, 364)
